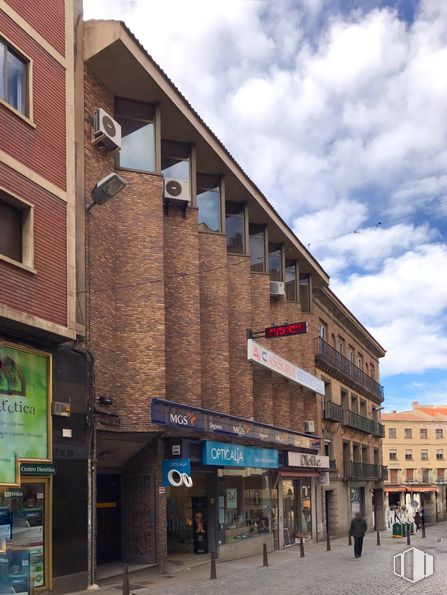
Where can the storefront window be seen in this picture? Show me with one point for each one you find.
(297, 508)
(245, 506)
(23, 525)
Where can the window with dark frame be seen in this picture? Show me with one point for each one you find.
(408, 433)
(137, 120)
(424, 455)
(275, 262)
(256, 242)
(423, 433)
(13, 78)
(439, 433)
(290, 279)
(176, 161)
(11, 230)
(393, 455)
(305, 292)
(209, 203)
(408, 454)
(392, 433)
(235, 227)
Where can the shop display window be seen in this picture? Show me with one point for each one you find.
(245, 505)
(23, 537)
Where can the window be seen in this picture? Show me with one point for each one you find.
(354, 403)
(392, 433)
(235, 227)
(13, 78)
(408, 433)
(341, 346)
(372, 371)
(363, 408)
(394, 475)
(305, 293)
(423, 434)
(408, 454)
(424, 454)
(393, 454)
(440, 454)
(440, 473)
(257, 247)
(291, 277)
(176, 164)
(425, 475)
(323, 331)
(360, 361)
(439, 434)
(16, 230)
(275, 262)
(376, 456)
(351, 355)
(409, 474)
(209, 202)
(137, 135)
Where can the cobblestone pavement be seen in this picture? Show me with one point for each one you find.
(321, 572)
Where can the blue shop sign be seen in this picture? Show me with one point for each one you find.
(224, 454)
(180, 465)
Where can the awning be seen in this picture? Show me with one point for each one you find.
(423, 489)
(396, 489)
(295, 473)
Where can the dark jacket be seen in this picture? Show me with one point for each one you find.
(358, 528)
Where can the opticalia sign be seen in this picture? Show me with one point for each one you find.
(264, 357)
(224, 454)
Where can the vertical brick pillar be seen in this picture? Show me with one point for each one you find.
(182, 299)
(239, 307)
(213, 322)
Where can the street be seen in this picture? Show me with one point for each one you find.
(321, 572)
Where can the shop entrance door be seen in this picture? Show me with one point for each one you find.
(297, 511)
(108, 518)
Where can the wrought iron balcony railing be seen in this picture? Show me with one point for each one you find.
(333, 412)
(330, 360)
(358, 422)
(354, 470)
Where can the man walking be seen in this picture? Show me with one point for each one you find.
(357, 530)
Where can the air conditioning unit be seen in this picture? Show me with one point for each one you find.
(277, 288)
(309, 426)
(106, 131)
(177, 190)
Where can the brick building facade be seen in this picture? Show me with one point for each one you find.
(174, 290)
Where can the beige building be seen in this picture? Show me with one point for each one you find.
(415, 450)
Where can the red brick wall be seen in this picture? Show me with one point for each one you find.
(43, 294)
(47, 17)
(41, 148)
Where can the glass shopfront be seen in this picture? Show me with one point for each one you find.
(244, 506)
(24, 533)
(297, 507)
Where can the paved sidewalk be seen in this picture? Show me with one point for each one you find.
(321, 572)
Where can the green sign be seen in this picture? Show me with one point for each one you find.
(37, 469)
(24, 407)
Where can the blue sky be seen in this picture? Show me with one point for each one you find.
(337, 110)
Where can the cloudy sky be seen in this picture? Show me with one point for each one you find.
(337, 109)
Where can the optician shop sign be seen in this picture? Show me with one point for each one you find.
(184, 417)
(264, 357)
(224, 454)
(301, 459)
(176, 472)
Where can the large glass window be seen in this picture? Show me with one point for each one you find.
(291, 285)
(13, 78)
(137, 134)
(176, 162)
(257, 247)
(275, 262)
(305, 292)
(245, 503)
(208, 202)
(235, 227)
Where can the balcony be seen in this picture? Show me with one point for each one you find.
(353, 470)
(331, 361)
(379, 430)
(358, 422)
(333, 412)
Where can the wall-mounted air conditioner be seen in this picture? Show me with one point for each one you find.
(106, 131)
(177, 190)
(309, 426)
(277, 288)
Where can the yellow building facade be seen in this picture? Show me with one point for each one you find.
(415, 451)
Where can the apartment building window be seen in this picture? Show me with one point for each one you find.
(425, 475)
(440, 454)
(408, 454)
(322, 331)
(424, 455)
(394, 475)
(209, 203)
(16, 230)
(256, 242)
(363, 408)
(305, 293)
(408, 433)
(360, 361)
(393, 454)
(409, 474)
(275, 262)
(176, 165)
(235, 227)
(372, 371)
(13, 78)
(344, 395)
(137, 135)
(341, 346)
(376, 456)
(439, 434)
(291, 277)
(354, 403)
(440, 474)
(392, 433)
(423, 434)
(351, 354)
